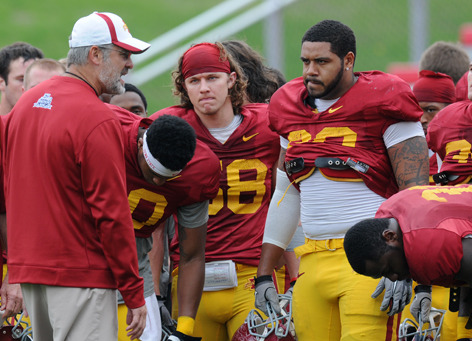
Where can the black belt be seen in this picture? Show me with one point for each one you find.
(444, 177)
(298, 164)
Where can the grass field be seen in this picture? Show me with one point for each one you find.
(381, 27)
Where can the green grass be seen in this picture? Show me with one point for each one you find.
(381, 27)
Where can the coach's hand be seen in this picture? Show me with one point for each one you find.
(136, 321)
(12, 298)
(421, 305)
(178, 336)
(397, 295)
(266, 294)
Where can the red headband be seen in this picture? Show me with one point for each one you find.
(204, 57)
(434, 87)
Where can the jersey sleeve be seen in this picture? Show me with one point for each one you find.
(105, 191)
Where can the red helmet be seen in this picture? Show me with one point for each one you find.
(410, 331)
(16, 329)
(274, 328)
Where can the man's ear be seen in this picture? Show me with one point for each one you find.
(2, 84)
(232, 79)
(389, 235)
(392, 238)
(95, 55)
(349, 60)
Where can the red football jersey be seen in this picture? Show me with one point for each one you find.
(150, 204)
(450, 136)
(238, 213)
(351, 128)
(433, 219)
(462, 88)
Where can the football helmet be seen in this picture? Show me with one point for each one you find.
(411, 331)
(16, 329)
(166, 331)
(274, 328)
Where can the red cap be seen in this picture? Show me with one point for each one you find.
(434, 87)
(204, 57)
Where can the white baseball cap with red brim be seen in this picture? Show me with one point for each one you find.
(105, 28)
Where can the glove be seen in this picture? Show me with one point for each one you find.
(397, 293)
(266, 293)
(178, 336)
(166, 319)
(290, 289)
(421, 303)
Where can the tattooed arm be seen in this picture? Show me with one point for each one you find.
(191, 269)
(410, 162)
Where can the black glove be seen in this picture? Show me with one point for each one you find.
(166, 318)
(421, 305)
(266, 293)
(178, 336)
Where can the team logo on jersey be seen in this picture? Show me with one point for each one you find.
(331, 110)
(44, 102)
(247, 138)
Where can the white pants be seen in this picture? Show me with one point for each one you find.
(72, 314)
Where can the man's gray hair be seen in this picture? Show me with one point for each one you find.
(79, 55)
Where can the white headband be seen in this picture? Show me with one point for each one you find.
(154, 164)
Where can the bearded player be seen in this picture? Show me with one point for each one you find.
(350, 140)
(211, 87)
(168, 172)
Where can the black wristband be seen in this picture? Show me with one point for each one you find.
(184, 337)
(160, 298)
(423, 288)
(260, 279)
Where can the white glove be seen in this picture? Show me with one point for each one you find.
(421, 305)
(397, 295)
(266, 294)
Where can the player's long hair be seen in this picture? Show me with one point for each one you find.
(236, 93)
(262, 81)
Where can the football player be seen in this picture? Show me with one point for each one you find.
(398, 242)
(211, 87)
(168, 172)
(350, 140)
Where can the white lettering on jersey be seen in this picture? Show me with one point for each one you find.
(44, 102)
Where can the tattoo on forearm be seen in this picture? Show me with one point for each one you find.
(410, 162)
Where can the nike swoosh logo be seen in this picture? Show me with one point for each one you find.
(333, 110)
(245, 139)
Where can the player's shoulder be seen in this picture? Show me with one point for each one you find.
(204, 167)
(458, 112)
(204, 152)
(382, 80)
(294, 87)
(175, 110)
